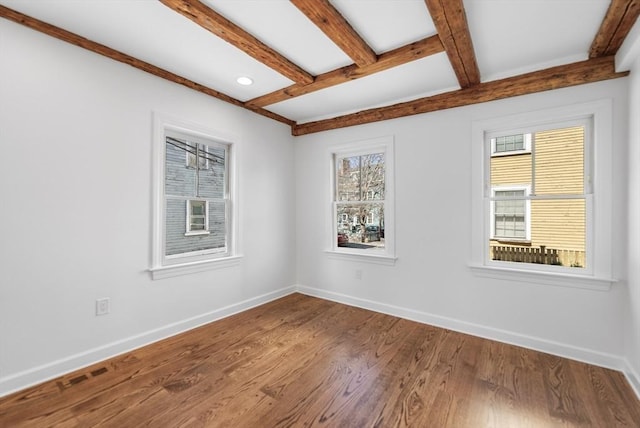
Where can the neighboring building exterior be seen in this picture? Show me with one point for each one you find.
(554, 167)
(195, 191)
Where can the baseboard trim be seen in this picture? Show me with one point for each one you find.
(43, 373)
(632, 377)
(575, 353)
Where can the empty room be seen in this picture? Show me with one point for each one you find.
(327, 213)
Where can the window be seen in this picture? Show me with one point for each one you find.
(362, 199)
(193, 199)
(201, 187)
(535, 207)
(510, 144)
(197, 217)
(510, 218)
(555, 171)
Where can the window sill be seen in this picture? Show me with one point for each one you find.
(510, 153)
(361, 257)
(511, 241)
(548, 278)
(202, 232)
(162, 272)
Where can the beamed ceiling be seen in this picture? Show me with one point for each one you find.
(324, 64)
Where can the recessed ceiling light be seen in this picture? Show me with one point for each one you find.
(244, 80)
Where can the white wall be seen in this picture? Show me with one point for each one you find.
(431, 281)
(75, 216)
(632, 325)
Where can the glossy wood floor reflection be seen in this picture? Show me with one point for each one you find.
(301, 361)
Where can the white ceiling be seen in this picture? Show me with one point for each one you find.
(510, 37)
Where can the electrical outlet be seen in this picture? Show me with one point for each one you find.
(103, 306)
(358, 273)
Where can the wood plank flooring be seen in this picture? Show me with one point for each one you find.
(301, 362)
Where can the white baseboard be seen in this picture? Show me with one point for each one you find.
(37, 375)
(632, 377)
(575, 353)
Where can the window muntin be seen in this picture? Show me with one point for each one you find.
(554, 169)
(196, 196)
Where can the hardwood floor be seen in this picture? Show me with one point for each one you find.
(301, 361)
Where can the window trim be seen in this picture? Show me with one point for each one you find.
(383, 144)
(163, 266)
(598, 156)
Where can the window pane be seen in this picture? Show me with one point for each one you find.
(510, 226)
(197, 208)
(196, 151)
(564, 226)
(198, 224)
(211, 180)
(510, 143)
(217, 222)
(372, 187)
(360, 178)
(175, 240)
(558, 231)
(362, 224)
(559, 161)
(198, 221)
(511, 170)
(180, 180)
(510, 215)
(348, 178)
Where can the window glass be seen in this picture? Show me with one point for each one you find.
(360, 194)
(196, 196)
(196, 151)
(197, 216)
(509, 143)
(510, 214)
(547, 224)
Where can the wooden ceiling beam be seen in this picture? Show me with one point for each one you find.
(113, 54)
(589, 71)
(336, 27)
(217, 24)
(615, 27)
(411, 52)
(451, 24)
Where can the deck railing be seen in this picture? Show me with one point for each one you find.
(540, 255)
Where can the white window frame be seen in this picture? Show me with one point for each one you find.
(598, 273)
(527, 146)
(527, 213)
(189, 231)
(386, 256)
(163, 266)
